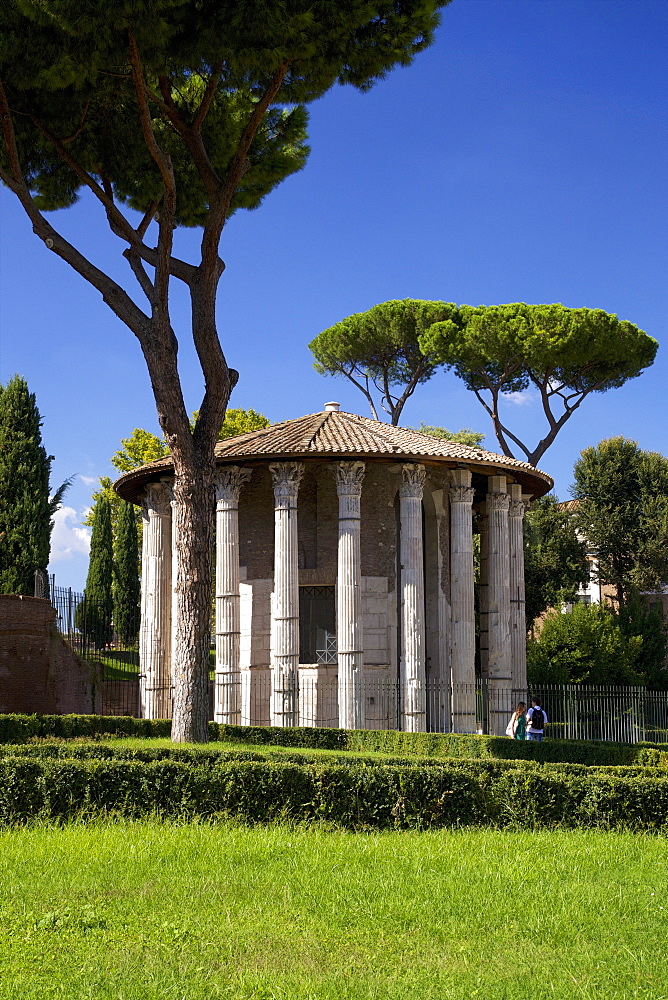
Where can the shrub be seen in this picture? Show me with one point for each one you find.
(585, 645)
(354, 795)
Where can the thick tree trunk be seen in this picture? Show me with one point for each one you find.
(193, 513)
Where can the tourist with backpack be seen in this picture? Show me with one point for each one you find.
(536, 721)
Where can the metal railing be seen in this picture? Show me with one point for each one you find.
(77, 618)
(604, 712)
(574, 711)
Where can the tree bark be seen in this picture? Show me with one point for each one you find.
(193, 524)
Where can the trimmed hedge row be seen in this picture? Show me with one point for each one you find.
(446, 746)
(20, 728)
(440, 746)
(212, 755)
(352, 796)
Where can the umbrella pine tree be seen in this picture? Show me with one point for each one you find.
(174, 115)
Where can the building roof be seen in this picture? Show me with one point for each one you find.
(339, 435)
(569, 505)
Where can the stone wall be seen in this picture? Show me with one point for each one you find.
(38, 671)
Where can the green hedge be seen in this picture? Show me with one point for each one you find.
(355, 796)
(445, 746)
(19, 728)
(438, 746)
(212, 755)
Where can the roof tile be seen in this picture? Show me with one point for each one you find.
(339, 434)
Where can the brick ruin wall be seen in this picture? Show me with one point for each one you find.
(38, 671)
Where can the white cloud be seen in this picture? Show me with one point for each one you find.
(519, 398)
(88, 480)
(69, 537)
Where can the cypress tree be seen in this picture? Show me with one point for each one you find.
(25, 507)
(126, 582)
(94, 615)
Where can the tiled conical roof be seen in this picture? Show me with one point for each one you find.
(337, 434)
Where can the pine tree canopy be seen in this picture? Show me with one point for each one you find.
(67, 70)
(565, 354)
(380, 349)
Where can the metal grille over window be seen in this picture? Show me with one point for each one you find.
(317, 625)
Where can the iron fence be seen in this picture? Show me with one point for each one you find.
(77, 620)
(604, 712)
(574, 711)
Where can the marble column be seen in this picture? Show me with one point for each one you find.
(498, 667)
(156, 604)
(168, 483)
(227, 700)
(437, 601)
(350, 655)
(412, 666)
(286, 478)
(462, 656)
(519, 503)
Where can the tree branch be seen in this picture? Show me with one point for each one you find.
(203, 289)
(387, 396)
(147, 219)
(139, 272)
(209, 92)
(501, 431)
(160, 301)
(238, 166)
(411, 386)
(9, 136)
(364, 390)
(118, 224)
(191, 136)
(555, 427)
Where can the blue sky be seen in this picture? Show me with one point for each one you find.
(521, 158)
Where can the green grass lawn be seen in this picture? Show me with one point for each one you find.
(123, 664)
(202, 912)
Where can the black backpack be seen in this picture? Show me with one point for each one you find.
(537, 718)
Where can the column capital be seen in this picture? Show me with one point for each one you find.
(412, 481)
(519, 502)
(286, 477)
(157, 499)
(461, 494)
(496, 501)
(228, 482)
(348, 477)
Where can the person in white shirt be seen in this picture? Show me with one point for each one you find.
(536, 721)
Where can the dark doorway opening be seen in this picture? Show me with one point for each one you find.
(317, 625)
